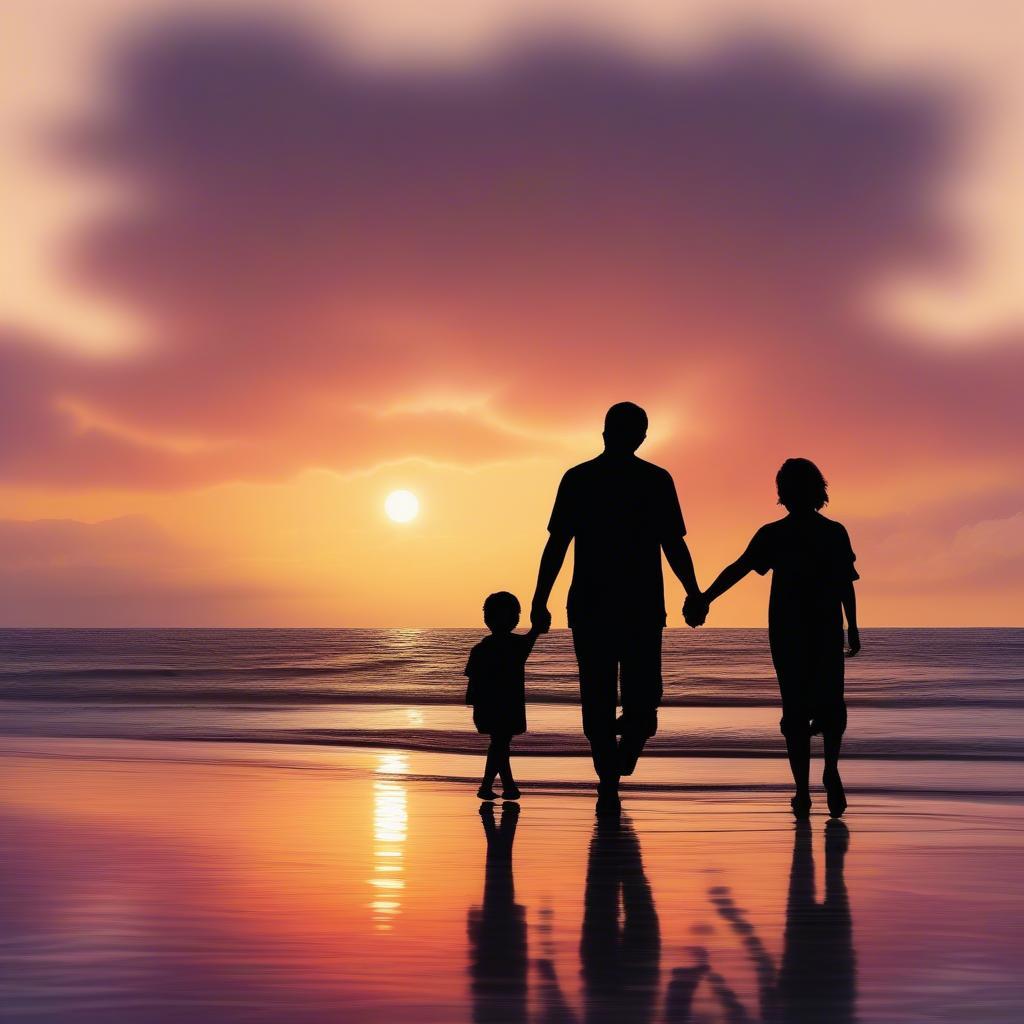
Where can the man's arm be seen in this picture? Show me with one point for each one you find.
(678, 555)
(550, 566)
(850, 608)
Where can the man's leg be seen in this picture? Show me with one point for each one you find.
(598, 666)
(640, 656)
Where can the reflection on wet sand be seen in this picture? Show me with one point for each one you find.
(817, 979)
(497, 929)
(620, 946)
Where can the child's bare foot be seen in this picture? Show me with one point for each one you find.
(834, 791)
(801, 804)
(511, 792)
(486, 793)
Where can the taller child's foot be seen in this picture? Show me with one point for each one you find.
(834, 791)
(486, 793)
(511, 792)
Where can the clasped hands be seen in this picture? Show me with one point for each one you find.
(695, 610)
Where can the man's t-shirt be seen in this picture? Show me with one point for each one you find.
(811, 561)
(619, 510)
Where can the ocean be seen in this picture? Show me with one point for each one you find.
(914, 694)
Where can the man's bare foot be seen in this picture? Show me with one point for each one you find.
(511, 792)
(486, 793)
(608, 802)
(801, 804)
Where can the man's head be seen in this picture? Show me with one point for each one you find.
(625, 427)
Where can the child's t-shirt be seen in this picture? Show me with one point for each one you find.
(811, 560)
(497, 668)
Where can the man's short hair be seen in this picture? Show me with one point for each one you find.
(625, 418)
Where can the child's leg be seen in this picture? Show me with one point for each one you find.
(832, 743)
(493, 763)
(798, 747)
(830, 778)
(504, 764)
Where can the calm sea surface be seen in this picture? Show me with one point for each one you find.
(914, 694)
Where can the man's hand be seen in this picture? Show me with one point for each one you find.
(695, 610)
(540, 618)
(854, 634)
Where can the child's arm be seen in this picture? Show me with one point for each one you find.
(531, 638)
(727, 578)
(850, 608)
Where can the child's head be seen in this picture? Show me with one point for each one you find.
(501, 612)
(801, 486)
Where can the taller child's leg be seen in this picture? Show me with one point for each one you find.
(832, 744)
(798, 747)
(833, 719)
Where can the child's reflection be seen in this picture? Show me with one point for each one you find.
(497, 930)
(817, 980)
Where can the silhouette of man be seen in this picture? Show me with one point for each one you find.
(622, 513)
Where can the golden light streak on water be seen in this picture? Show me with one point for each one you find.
(390, 831)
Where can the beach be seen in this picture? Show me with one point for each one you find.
(281, 826)
(171, 881)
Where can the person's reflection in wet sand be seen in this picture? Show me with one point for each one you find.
(620, 944)
(497, 930)
(817, 981)
(620, 954)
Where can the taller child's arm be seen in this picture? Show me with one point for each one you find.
(850, 609)
(728, 577)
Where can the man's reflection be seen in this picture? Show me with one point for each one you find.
(817, 980)
(620, 949)
(497, 930)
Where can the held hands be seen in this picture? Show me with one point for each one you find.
(854, 638)
(695, 610)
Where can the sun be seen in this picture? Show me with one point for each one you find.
(402, 506)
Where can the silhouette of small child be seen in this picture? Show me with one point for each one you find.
(812, 585)
(497, 689)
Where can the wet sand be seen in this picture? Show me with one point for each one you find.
(146, 881)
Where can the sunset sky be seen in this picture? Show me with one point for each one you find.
(263, 269)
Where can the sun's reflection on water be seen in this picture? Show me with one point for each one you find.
(390, 830)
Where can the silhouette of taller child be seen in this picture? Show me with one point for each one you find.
(622, 512)
(812, 568)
